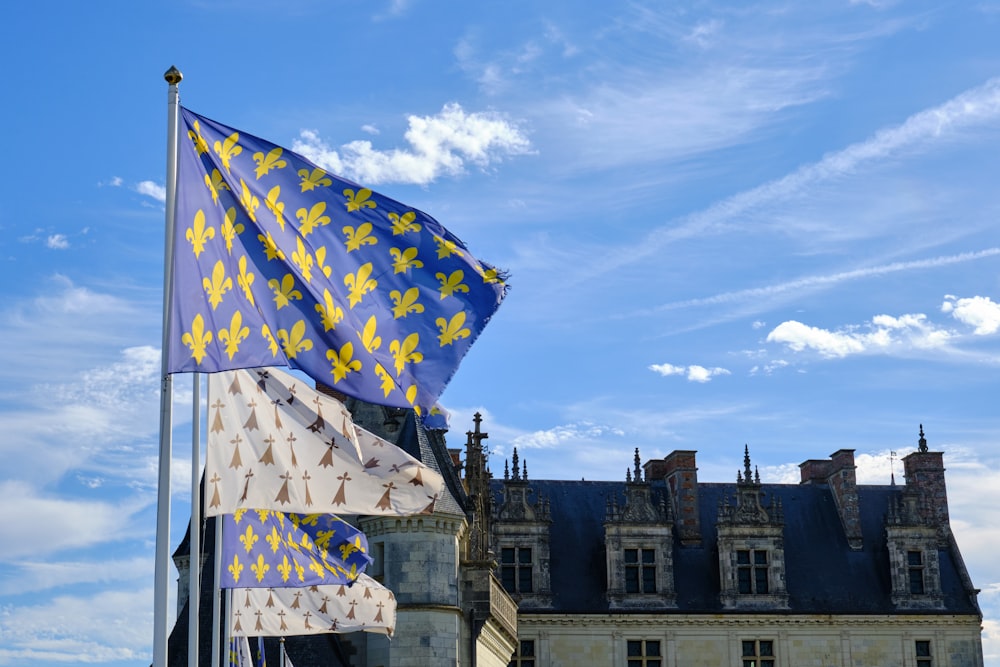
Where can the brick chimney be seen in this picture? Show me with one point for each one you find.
(679, 471)
(924, 471)
(838, 473)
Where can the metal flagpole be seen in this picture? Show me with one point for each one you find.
(194, 530)
(162, 555)
(216, 593)
(227, 634)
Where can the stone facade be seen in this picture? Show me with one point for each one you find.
(801, 640)
(664, 570)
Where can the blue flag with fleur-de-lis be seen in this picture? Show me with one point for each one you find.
(278, 263)
(269, 549)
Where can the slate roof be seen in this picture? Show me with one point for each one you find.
(823, 574)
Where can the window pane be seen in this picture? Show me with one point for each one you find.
(507, 555)
(524, 580)
(760, 557)
(507, 578)
(915, 558)
(653, 648)
(635, 663)
(923, 649)
(743, 577)
(528, 648)
(648, 556)
(766, 647)
(749, 648)
(634, 647)
(648, 580)
(760, 580)
(631, 555)
(916, 582)
(743, 557)
(524, 555)
(632, 580)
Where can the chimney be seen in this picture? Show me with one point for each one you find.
(924, 472)
(681, 475)
(837, 472)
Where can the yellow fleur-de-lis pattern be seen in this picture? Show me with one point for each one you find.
(278, 262)
(308, 550)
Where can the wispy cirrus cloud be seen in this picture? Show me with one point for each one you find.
(806, 283)
(974, 108)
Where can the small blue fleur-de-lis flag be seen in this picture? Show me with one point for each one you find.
(278, 263)
(269, 549)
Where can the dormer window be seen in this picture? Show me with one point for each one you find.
(751, 571)
(751, 545)
(915, 572)
(640, 570)
(515, 569)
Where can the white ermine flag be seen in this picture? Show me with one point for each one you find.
(276, 443)
(279, 612)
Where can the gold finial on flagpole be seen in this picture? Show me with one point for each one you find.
(173, 76)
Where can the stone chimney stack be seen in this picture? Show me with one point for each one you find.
(924, 471)
(679, 471)
(838, 473)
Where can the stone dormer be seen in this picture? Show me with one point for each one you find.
(914, 531)
(838, 472)
(751, 546)
(638, 537)
(521, 539)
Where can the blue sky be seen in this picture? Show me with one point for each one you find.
(771, 224)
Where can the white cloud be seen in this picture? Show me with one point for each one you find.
(99, 629)
(758, 294)
(57, 241)
(769, 367)
(441, 145)
(54, 524)
(558, 435)
(978, 311)
(702, 34)
(973, 108)
(694, 373)
(151, 189)
(883, 334)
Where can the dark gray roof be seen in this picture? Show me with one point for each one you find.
(823, 574)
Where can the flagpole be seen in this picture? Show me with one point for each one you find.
(217, 594)
(194, 529)
(162, 554)
(227, 632)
